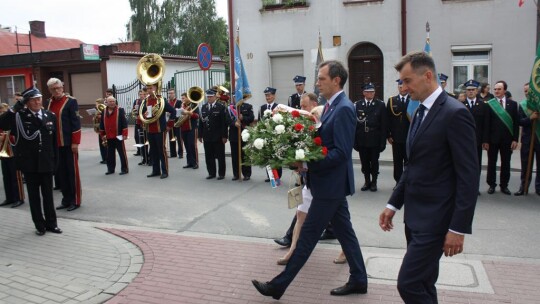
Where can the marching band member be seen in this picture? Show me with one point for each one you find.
(174, 134)
(13, 181)
(97, 119)
(188, 130)
(113, 129)
(139, 131)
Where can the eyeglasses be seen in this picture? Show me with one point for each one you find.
(56, 88)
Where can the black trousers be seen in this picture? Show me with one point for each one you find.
(246, 170)
(213, 150)
(158, 153)
(524, 153)
(175, 132)
(102, 149)
(369, 158)
(12, 178)
(493, 153)
(114, 145)
(68, 176)
(36, 183)
(399, 154)
(190, 142)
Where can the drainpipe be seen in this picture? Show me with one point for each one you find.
(403, 27)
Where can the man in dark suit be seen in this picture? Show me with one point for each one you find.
(501, 131)
(270, 95)
(398, 128)
(213, 134)
(439, 185)
(331, 180)
(294, 99)
(370, 137)
(36, 155)
(240, 117)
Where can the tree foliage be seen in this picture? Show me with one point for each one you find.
(178, 26)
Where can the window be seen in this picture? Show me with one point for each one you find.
(9, 85)
(470, 64)
(283, 4)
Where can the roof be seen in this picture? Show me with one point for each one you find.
(8, 42)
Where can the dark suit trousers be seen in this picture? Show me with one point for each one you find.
(369, 157)
(188, 137)
(213, 150)
(158, 153)
(420, 268)
(102, 149)
(34, 183)
(399, 154)
(11, 180)
(506, 154)
(524, 153)
(114, 145)
(68, 176)
(246, 170)
(320, 213)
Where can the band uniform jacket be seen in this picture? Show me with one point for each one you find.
(113, 124)
(371, 125)
(213, 125)
(294, 100)
(247, 118)
(398, 122)
(176, 103)
(39, 155)
(263, 108)
(136, 106)
(68, 124)
(162, 123)
(495, 131)
(478, 111)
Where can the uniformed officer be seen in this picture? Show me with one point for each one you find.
(294, 99)
(240, 117)
(270, 96)
(213, 134)
(443, 78)
(371, 131)
(398, 128)
(478, 110)
(36, 155)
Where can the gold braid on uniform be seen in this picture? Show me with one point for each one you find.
(392, 108)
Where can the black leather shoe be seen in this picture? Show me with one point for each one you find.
(491, 190)
(520, 192)
(285, 242)
(348, 289)
(5, 203)
(373, 187)
(56, 188)
(187, 166)
(141, 163)
(164, 175)
(180, 156)
(266, 289)
(235, 178)
(107, 173)
(62, 207)
(153, 174)
(267, 180)
(137, 154)
(17, 204)
(506, 191)
(55, 230)
(210, 176)
(103, 162)
(40, 232)
(220, 177)
(123, 173)
(537, 192)
(72, 207)
(246, 178)
(196, 167)
(366, 187)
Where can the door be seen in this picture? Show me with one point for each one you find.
(365, 65)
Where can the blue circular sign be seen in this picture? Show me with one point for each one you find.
(204, 56)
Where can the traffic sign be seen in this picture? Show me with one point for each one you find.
(204, 56)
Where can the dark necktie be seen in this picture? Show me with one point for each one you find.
(269, 107)
(402, 99)
(501, 102)
(37, 116)
(417, 121)
(326, 106)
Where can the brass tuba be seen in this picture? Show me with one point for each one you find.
(195, 95)
(4, 153)
(150, 70)
(100, 108)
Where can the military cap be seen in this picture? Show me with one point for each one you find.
(399, 82)
(270, 90)
(369, 87)
(32, 92)
(442, 77)
(299, 79)
(210, 92)
(471, 84)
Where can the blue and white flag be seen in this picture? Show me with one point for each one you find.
(414, 104)
(241, 88)
(320, 59)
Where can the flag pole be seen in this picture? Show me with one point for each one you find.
(237, 104)
(529, 163)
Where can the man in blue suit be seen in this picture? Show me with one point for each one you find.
(331, 180)
(440, 183)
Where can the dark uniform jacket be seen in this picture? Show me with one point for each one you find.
(495, 131)
(264, 107)
(398, 122)
(371, 126)
(247, 118)
(213, 124)
(478, 110)
(36, 155)
(526, 131)
(294, 100)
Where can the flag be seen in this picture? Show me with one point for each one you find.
(521, 2)
(241, 89)
(414, 104)
(533, 95)
(320, 59)
(427, 47)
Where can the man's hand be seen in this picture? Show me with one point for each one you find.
(75, 148)
(385, 219)
(534, 116)
(390, 140)
(514, 145)
(237, 124)
(485, 146)
(200, 140)
(453, 244)
(224, 140)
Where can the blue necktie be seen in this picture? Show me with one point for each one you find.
(417, 121)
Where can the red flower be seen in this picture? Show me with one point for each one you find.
(324, 151)
(295, 114)
(298, 127)
(311, 128)
(317, 140)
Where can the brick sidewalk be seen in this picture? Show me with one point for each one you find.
(197, 270)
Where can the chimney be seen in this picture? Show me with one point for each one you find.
(37, 28)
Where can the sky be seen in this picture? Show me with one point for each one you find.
(94, 22)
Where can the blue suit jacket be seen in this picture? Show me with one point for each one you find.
(333, 177)
(439, 187)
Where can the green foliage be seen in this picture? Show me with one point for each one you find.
(178, 26)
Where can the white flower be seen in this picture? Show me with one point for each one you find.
(245, 135)
(300, 154)
(258, 143)
(280, 129)
(277, 118)
(267, 113)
